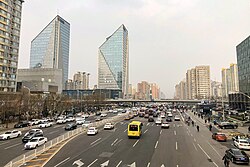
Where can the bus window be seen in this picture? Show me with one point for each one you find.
(133, 128)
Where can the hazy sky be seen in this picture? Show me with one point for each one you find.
(166, 37)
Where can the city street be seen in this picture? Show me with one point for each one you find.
(181, 145)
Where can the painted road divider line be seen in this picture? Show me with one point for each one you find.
(95, 141)
(136, 143)
(62, 162)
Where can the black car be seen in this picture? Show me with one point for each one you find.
(70, 126)
(31, 135)
(169, 119)
(150, 119)
(21, 124)
(237, 156)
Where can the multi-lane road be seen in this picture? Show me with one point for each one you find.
(10, 149)
(179, 146)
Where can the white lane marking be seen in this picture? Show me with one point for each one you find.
(191, 134)
(204, 151)
(118, 164)
(148, 124)
(114, 142)
(176, 146)
(215, 164)
(92, 163)
(118, 142)
(160, 131)
(136, 143)
(194, 139)
(195, 147)
(156, 144)
(145, 131)
(188, 133)
(215, 149)
(177, 165)
(125, 130)
(152, 124)
(174, 132)
(148, 164)
(54, 132)
(62, 162)
(4, 143)
(13, 146)
(95, 141)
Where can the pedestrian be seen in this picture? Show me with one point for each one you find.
(210, 127)
(249, 129)
(198, 128)
(226, 161)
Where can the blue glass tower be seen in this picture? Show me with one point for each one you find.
(50, 48)
(113, 61)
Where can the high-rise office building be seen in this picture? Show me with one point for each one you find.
(181, 90)
(50, 48)
(155, 91)
(198, 83)
(230, 81)
(143, 90)
(10, 24)
(113, 63)
(81, 80)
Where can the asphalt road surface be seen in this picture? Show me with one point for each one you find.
(179, 146)
(10, 149)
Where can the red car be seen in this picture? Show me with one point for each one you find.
(219, 137)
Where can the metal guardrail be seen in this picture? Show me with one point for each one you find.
(22, 159)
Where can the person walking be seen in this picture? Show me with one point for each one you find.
(198, 128)
(226, 161)
(210, 127)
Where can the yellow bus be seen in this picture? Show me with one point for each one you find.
(135, 129)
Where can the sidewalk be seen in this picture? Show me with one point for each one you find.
(240, 129)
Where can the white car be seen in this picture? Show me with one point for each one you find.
(115, 111)
(70, 119)
(34, 122)
(35, 142)
(158, 121)
(61, 121)
(80, 121)
(10, 134)
(103, 115)
(33, 130)
(45, 124)
(85, 116)
(170, 115)
(86, 124)
(177, 118)
(162, 115)
(92, 131)
(108, 126)
(165, 125)
(242, 144)
(110, 111)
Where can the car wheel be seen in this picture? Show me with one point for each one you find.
(8, 138)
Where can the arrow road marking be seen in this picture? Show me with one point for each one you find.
(164, 165)
(132, 165)
(105, 163)
(79, 163)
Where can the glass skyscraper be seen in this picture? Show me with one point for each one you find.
(10, 25)
(113, 61)
(50, 48)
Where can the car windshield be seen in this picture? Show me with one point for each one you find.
(243, 141)
(33, 140)
(7, 132)
(91, 128)
(237, 152)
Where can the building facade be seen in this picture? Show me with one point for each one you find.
(230, 81)
(50, 48)
(143, 91)
(41, 79)
(113, 62)
(181, 90)
(155, 91)
(216, 90)
(197, 83)
(81, 80)
(11, 12)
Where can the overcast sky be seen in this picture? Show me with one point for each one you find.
(166, 37)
